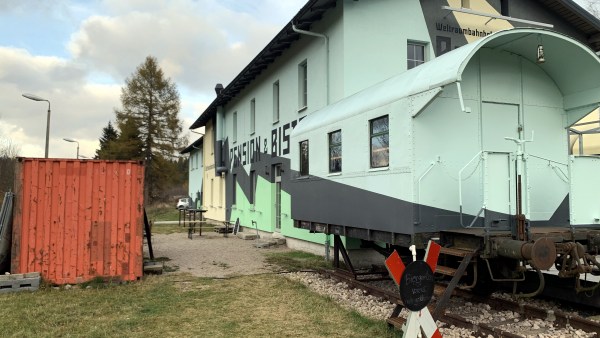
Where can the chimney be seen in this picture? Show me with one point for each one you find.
(218, 88)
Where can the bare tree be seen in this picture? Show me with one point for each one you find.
(8, 153)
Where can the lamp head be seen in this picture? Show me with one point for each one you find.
(69, 140)
(33, 97)
(540, 54)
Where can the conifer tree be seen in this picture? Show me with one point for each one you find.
(109, 135)
(150, 104)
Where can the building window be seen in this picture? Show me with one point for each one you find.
(302, 85)
(380, 153)
(276, 102)
(335, 151)
(222, 190)
(415, 54)
(304, 158)
(234, 127)
(252, 116)
(233, 192)
(212, 192)
(252, 186)
(504, 8)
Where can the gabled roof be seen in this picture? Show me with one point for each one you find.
(578, 17)
(311, 12)
(196, 145)
(314, 10)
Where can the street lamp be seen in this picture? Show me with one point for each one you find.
(37, 98)
(72, 140)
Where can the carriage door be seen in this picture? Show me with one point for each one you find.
(499, 120)
(277, 174)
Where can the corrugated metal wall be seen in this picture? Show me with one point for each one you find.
(78, 219)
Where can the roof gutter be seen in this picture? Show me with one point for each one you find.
(323, 36)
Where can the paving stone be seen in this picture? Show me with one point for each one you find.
(246, 235)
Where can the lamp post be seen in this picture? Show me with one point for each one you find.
(72, 140)
(37, 98)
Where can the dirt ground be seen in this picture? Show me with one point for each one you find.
(212, 254)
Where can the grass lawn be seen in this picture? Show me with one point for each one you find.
(180, 305)
(157, 214)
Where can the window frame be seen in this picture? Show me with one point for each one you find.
(373, 135)
(234, 190)
(303, 85)
(235, 126)
(304, 168)
(331, 147)
(252, 116)
(276, 101)
(504, 8)
(416, 62)
(252, 197)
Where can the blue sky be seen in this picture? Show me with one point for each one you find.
(77, 54)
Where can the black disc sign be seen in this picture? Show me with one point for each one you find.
(416, 285)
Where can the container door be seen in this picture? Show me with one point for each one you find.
(498, 122)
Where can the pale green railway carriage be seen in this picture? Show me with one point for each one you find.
(474, 140)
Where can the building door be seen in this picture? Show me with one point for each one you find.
(277, 174)
(499, 121)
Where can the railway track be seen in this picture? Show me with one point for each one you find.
(515, 314)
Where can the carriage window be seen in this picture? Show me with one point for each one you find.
(380, 154)
(304, 158)
(335, 151)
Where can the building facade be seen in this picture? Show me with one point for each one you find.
(195, 170)
(329, 51)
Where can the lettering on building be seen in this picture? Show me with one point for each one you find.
(443, 27)
(250, 151)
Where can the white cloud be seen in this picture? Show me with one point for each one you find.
(197, 43)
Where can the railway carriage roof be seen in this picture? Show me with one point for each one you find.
(573, 66)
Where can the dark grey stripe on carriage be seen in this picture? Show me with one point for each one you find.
(321, 200)
(324, 201)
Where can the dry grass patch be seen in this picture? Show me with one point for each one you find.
(183, 305)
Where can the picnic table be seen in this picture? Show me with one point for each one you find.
(189, 218)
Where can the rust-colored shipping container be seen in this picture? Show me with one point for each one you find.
(78, 219)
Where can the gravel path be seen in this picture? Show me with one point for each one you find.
(212, 254)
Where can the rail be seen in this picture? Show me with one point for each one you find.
(559, 318)
(431, 165)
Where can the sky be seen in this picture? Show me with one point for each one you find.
(78, 53)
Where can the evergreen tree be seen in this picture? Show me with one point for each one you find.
(129, 145)
(109, 135)
(151, 105)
